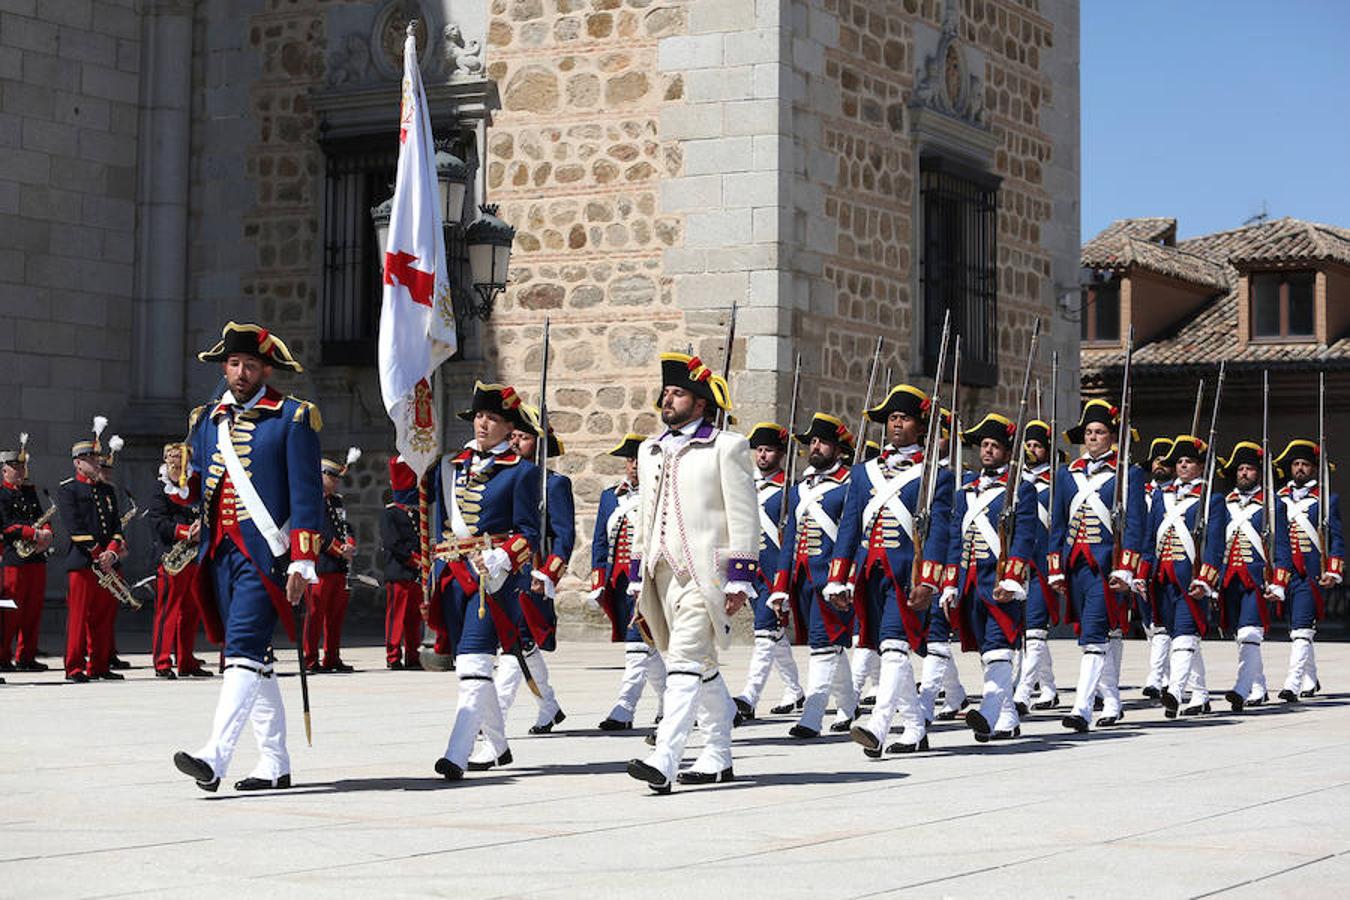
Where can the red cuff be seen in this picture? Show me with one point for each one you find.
(180, 532)
(304, 545)
(780, 582)
(1335, 565)
(334, 548)
(1144, 572)
(117, 547)
(29, 533)
(1209, 575)
(1014, 569)
(553, 567)
(1130, 560)
(597, 579)
(518, 549)
(930, 573)
(839, 570)
(1054, 565)
(949, 577)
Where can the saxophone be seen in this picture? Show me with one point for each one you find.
(26, 549)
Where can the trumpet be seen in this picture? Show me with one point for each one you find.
(112, 582)
(25, 549)
(178, 556)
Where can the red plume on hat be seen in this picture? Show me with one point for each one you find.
(401, 475)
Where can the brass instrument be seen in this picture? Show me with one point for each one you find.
(178, 556)
(112, 582)
(25, 549)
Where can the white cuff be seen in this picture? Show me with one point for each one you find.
(545, 585)
(1335, 576)
(834, 589)
(305, 567)
(1056, 578)
(1124, 575)
(739, 587)
(497, 564)
(634, 588)
(778, 601)
(1276, 591)
(1016, 588)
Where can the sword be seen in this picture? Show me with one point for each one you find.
(304, 678)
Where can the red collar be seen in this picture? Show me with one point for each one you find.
(779, 477)
(81, 478)
(11, 486)
(270, 401)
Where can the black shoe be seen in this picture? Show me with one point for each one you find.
(654, 779)
(1169, 701)
(1009, 735)
(1022, 709)
(801, 731)
(843, 725)
(744, 711)
(413, 665)
(548, 726)
(198, 770)
(977, 723)
(1108, 721)
(448, 770)
(1235, 701)
(1098, 704)
(1311, 692)
(116, 662)
(1075, 723)
(786, 708)
(948, 715)
(692, 777)
(868, 701)
(651, 739)
(615, 725)
(1259, 701)
(1052, 703)
(341, 668)
(31, 666)
(1286, 695)
(1152, 693)
(900, 747)
(165, 673)
(314, 669)
(1196, 710)
(6, 666)
(263, 784)
(864, 736)
(77, 677)
(1169, 714)
(111, 676)
(503, 760)
(198, 672)
(395, 665)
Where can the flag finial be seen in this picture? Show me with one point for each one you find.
(412, 27)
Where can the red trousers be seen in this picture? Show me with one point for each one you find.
(89, 624)
(326, 605)
(178, 612)
(402, 620)
(25, 585)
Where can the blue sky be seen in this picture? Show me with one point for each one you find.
(1203, 110)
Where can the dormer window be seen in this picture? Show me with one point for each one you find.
(1283, 306)
(1100, 319)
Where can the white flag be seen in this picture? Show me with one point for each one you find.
(417, 320)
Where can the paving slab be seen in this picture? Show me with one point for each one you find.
(1251, 805)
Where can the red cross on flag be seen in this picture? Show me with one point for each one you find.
(417, 320)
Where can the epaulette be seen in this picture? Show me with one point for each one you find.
(840, 475)
(506, 459)
(307, 408)
(195, 415)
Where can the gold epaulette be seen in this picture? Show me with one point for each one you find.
(307, 408)
(195, 415)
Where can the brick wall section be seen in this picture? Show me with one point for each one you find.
(69, 87)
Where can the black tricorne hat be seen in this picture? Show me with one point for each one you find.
(253, 340)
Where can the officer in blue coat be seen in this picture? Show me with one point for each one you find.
(1081, 560)
(1153, 618)
(1312, 567)
(1042, 605)
(876, 538)
(1236, 570)
(611, 553)
(985, 581)
(256, 453)
(773, 648)
(1172, 565)
(486, 531)
(815, 504)
(539, 626)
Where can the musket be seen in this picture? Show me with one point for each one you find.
(726, 364)
(1207, 481)
(790, 458)
(1007, 518)
(1120, 503)
(1323, 468)
(923, 516)
(867, 398)
(1054, 434)
(541, 458)
(1199, 401)
(1267, 481)
(956, 450)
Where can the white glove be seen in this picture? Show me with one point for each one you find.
(739, 587)
(496, 565)
(1334, 576)
(1124, 575)
(634, 588)
(949, 598)
(593, 599)
(1139, 586)
(1016, 588)
(834, 589)
(778, 602)
(544, 584)
(1276, 591)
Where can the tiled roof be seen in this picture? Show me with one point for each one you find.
(1210, 334)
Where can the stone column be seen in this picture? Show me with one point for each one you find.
(159, 323)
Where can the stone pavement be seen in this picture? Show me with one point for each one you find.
(1248, 806)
